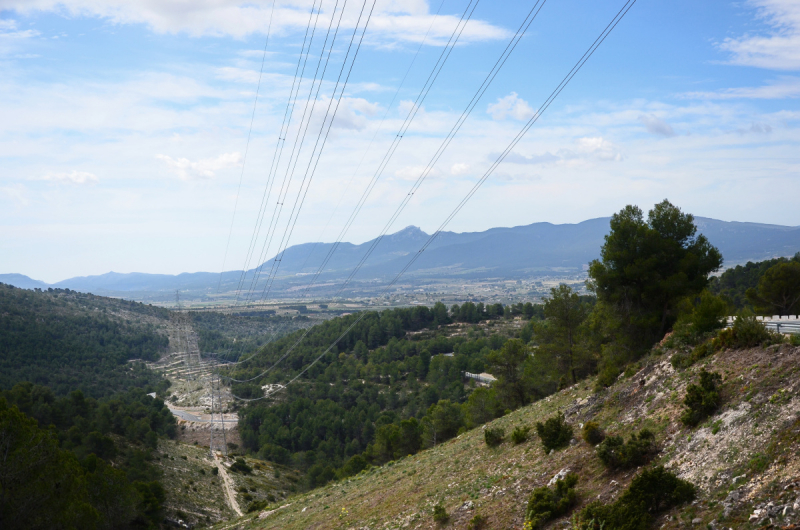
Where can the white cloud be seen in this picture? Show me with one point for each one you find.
(585, 149)
(16, 194)
(73, 177)
(412, 173)
(202, 169)
(396, 20)
(779, 49)
(352, 112)
(783, 88)
(510, 106)
(11, 36)
(657, 126)
(459, 169)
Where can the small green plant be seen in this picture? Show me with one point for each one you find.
(520, 435)
(591, 433)
(241, 466)
(545, 504)
(651, 492)
(478, 522)
(555, 433)
(616, 454)
(493, 437)
(703, 399)
(747, 332)
(680, 360)
(440, 515)
(214, 471)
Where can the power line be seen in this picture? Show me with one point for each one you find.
(247, 146)
(284, 186)
(283, 131)
(527, 21)
(454, 37)
(453, 131)
(374, 136)
(575, 69)
(290, 168)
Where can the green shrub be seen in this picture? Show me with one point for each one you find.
(701, 400)
(493, 437)
(680, 360)
(520, 435)
(555, 433)
(698, 318)
(747, 332)
(545, 504)
(652, 491)
(592, 433)
(606, 377)
(440, 514)
(256, 506)
(478, 522)
(616, 454)
(241, 466)
(214, 471)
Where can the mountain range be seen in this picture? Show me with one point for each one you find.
(537, 249)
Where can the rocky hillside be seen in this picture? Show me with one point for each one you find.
(744, 459)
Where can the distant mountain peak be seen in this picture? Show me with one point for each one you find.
(410, 229)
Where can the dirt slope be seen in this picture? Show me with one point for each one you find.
(742, 459)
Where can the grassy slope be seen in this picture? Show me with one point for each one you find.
(193, 490)
(758, 435)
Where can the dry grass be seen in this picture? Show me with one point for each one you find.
(753, 433)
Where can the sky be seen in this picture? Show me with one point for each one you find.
(135, 136)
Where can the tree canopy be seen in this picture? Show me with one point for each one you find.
(778, 290)
(646, 268)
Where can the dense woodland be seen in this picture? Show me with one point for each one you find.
(394, 383)
(734, 284)
(229, 336)
(68, 341)
(77, 428)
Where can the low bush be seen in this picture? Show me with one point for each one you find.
(616, 454)
(555, 433)
(440, 514)
(592, 434)
(701, 400)
(680, 360)
(520, 435)
(545, 504)
(699, 317)
(214, 471)
(606, 376)
(651, 492)
(257, 506)
(478, 522)
(241, 466)
(493, 437)
(747, 332)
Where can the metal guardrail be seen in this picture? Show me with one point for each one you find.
(785, 326)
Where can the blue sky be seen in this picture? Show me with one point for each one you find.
(123, 124)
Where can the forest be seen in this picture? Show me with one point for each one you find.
(68, 341)
(77, 428)
(394, 383)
